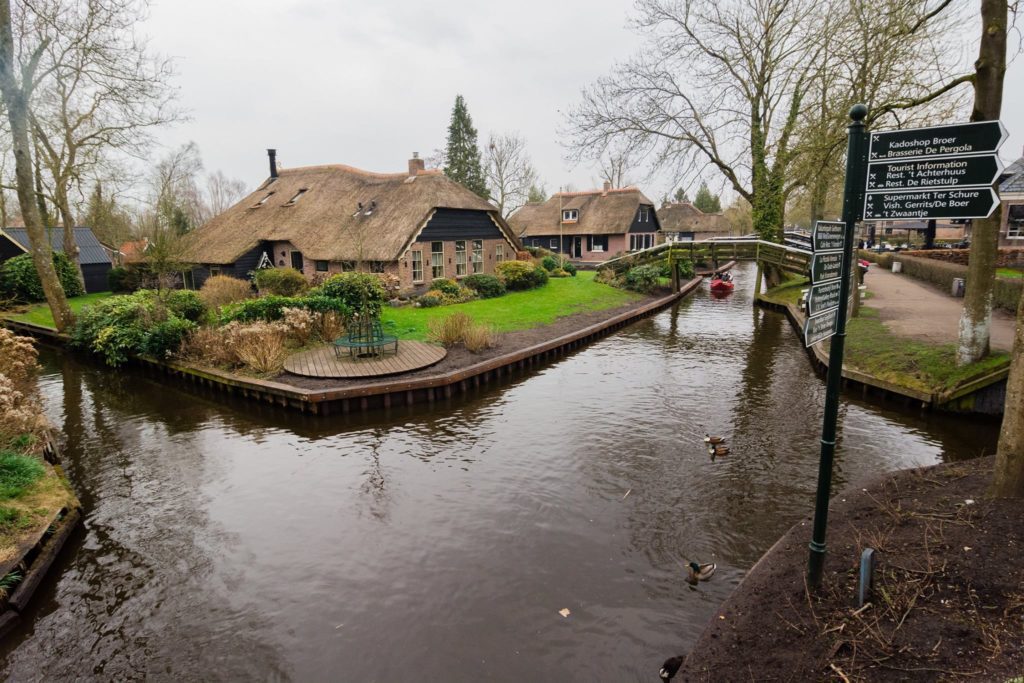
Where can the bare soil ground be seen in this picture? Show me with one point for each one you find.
(948, 599)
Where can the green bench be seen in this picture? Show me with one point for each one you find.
(366, 339)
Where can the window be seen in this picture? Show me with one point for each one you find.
(570, 215)
(597, 243)
(1015, 222)
(553, 243)
(417, 266)
(499, 252)
(321, 266)
(460, 258)
(645, 215)
(478, 256)
(264, 200)
(297, 197)
(214, 271)
(348, 266)
(376, 266)
(638, 241)
(436, 259)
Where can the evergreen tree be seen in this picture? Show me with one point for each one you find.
(681, 196)
(537, 194)
(707, 202)
(462, 156)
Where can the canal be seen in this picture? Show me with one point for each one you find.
(230, 542)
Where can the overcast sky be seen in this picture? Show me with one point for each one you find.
(367, 83)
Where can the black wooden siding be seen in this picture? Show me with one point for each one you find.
(459, 224)
(241, 268)
(94, 275)
(651, 225)
(8, 249)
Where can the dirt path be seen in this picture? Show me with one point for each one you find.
(915, 309)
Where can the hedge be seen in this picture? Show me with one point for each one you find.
(20, 281)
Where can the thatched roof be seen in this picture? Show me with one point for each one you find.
(600, 213)
(685, 217)
(325, 222)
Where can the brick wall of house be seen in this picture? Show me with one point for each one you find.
(404, 265)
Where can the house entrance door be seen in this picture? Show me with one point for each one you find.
(297, 260)
(577, 247)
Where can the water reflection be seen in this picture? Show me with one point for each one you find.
(232, 541)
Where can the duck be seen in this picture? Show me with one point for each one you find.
(713, 440)
(695, 573)
(718, 450)
(670, 667)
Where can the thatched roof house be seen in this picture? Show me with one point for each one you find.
(334, 218)
(684, 221)
(1011, 192)
(589, 226)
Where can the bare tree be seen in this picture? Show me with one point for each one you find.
(222, 193)
(615, 167)
(175, 198)
(508, 171)
(16, 97)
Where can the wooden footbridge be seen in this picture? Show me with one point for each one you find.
(783, 256)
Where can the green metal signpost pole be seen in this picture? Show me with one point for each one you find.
(852, 199)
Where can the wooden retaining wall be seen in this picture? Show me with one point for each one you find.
(395, 392)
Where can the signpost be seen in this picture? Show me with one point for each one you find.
(821, 297)
(822, 326)
(972, 202)
(924, 173)
(828, 236)
(956, 139)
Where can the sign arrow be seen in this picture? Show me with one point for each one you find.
(943, 173)
(956, 139)
(973, 202)
(829, 235)
(826, 265)
(820, 327)
(823, 297)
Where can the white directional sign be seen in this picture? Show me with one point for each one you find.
(935, 172)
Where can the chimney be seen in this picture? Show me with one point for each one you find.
(272, 153)
(416, 164)
(607, 186)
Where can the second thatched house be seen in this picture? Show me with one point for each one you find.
(589, 227)
(320, 220)
(684, 222)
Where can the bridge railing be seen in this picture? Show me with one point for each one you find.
(783, 256)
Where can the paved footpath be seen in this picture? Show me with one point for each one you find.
(911, 308)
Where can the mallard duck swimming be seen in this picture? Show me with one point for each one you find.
(718, 450)
(695, 573)
(670, 667)
(713, 440)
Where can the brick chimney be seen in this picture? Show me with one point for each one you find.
(272, 153)
(416, 165)
(607, 186)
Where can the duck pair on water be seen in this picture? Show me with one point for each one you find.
(716, 445)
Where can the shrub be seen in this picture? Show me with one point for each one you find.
(549, 263)
(558, 272)
(329, 326)
(259, 346)
(127, 279)
(607, 276)
(186, 304)
(208, 345)
(478, 337)
(686, 269)
(19, 413)
(20, 281)
(224, 289)
(642, 278)
(520, 275)
(430, 300)
(486, 286)
(280, 281)
(17, 473)
(271, 308)
(569, 268)
(445, 286)
(361, 293)
(165, 338)
(449, 330)
(299, 322)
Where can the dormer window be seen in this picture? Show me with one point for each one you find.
(570, 215)
(645, 214)
(297, 197)
(264, 200)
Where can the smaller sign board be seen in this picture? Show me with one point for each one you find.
(826, 265)
(934, 173)
(823, 296)
(829, 235)
(974, 202)
(820, 327)
(935, 141)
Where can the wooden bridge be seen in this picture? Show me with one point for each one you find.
(789, 258)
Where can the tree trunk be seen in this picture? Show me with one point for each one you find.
(16, 101)
(989, 71)
(68, 220)
(1009, 475)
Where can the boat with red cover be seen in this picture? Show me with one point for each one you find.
(722, 284)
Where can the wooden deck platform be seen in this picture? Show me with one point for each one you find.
(322, 362)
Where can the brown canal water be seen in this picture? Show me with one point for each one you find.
(222, 543)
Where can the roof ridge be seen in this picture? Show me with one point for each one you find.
(583, 193)
(356, 171)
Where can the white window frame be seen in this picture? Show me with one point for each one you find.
(570, 215)
(499, 252)
(460, 258)
(477, 258)
(645, 214)
(327, 266)
(436, 261)
(553, 243)
(417, 264)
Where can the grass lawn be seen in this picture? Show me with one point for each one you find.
(520, 310)
(39, 314)
(1009, 272)
(30, 492)
(872, 348)
(788, 292)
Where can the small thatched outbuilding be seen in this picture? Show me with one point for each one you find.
(418, 225)
(589, 226)
(684, 222)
